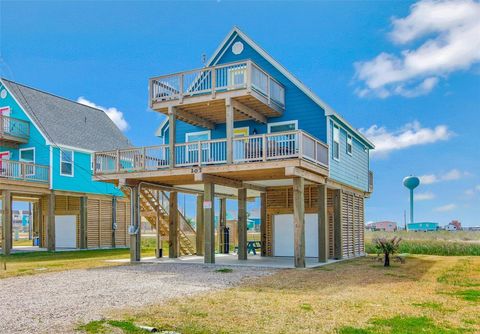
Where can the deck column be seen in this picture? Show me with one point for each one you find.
(322, 224)
(159, 243)
(337, 224)
(171, 136)
(50, 223)
(135, 228)
(208, 218)
(7, 222)
(173, 246)
(242, 224)
(83, 222)
(229, 120)
(263, 223)
(222, 223)
(299, 222)
(200, 232)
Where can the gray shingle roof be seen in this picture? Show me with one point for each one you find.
(68, 123)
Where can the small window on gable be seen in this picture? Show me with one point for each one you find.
(66, 162)
(336, 142)
(349, 144)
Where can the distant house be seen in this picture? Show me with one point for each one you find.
(422, 227)
(454, 225)
(385, 226)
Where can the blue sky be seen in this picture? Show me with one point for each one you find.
(399, 70)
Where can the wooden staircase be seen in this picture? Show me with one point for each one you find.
(150, 205)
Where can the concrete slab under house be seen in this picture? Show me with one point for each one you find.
(244, 127)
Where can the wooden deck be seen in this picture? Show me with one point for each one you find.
(13, 131)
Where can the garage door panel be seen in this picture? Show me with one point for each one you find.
(66, 231)
(283, 229)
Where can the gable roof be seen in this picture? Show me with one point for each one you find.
(328, 110)
(63, 122)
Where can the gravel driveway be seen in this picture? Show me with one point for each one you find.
(57, 302)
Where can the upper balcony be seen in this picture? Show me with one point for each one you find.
(13, 130)
(200, 96)
(24, 171)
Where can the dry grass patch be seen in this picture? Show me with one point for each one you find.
(357, 296)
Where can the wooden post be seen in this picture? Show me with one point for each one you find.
(200, 232)
(222, 223)
(299, 222)
(135, 228)
(51, 222)
(159, 244)
(263, 223)
(242, 224)
(229, 120)
(173, 246)
(322, 224)
(7, 222)
(209, 224)
(171, 135)
(337, 224)
(114, 221)
(83, 222)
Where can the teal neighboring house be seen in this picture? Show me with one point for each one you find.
(422, 227)
(46, 146)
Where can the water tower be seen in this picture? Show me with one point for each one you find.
(411, 182)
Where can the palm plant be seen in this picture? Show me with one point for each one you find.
(387, 247)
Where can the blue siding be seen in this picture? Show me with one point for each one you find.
(349, 169)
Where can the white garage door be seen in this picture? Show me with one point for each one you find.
(283, 244)
(65, 231)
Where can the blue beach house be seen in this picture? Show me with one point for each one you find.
(46, 146)
(242, 127)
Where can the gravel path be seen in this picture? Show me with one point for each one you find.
(57, 302)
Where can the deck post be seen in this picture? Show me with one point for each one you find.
(51, 222)
(7, 222)
(229, 120)
(171, 135)
(322, 224)
(37, 218)
(83, 222)
(337, 224)
(222, 224)
(242, 224)
(263, 223)
(208, 216)
(200, 232)
(159, 244)
(135, 228)
(173, 246)
(299, 221)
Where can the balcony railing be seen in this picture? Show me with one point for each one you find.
(217, 79)
(370, 181)
(24, 171)
(256, 148)
(14, 128)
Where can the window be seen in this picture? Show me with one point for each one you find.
(336, 142)
(241, 132)
(349, 144)
(66, 162)
(192, 150)
(28, 155)
(282, 126)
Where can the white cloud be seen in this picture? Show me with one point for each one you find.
(115, 115)
(411, 134)
(451, 175)
(427, 196)
(445, 208)
(449, 33)
(473, 191)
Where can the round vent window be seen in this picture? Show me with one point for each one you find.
(3, 93)
(237, 48)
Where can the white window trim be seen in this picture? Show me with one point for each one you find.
(72, 162)
(295, 121)
(349, 136)
(208, 132)
(336, 126)
(242, 128)
(26, 149)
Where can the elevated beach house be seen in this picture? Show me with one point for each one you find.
(46, 144)
(244, 127)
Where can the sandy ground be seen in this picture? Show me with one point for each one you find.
(58, 302)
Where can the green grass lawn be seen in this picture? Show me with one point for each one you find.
(18, 264)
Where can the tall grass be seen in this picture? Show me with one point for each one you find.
(431, 243)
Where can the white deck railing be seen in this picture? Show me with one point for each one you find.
(24, 171)
(266, 147)
(14, 127)
(217, 79)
